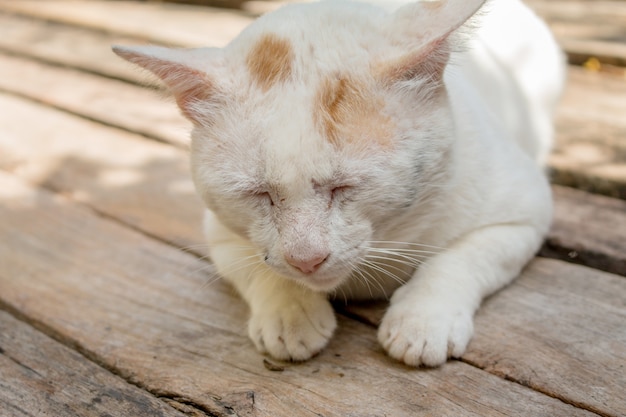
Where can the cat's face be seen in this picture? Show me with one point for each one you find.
(313, 146)
(312, 173)
(311, 206)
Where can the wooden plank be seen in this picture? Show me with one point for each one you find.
(143, 309)
(144, 111)
(563, 331)
(558, 329)
(168, 24)
(596, 11)
(43, 377)
(590, 151)
(163, 23)
(581, 50)
(67, 46)
(588, 229)
(140, 182)
(587, 28)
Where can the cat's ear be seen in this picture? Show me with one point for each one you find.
(186, 72)
(423, 29)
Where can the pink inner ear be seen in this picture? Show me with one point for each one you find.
(189, 86)
(425, 28)
(427, 63)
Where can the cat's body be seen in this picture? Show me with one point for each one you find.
(337, 150)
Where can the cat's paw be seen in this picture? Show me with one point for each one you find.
(425, 333)
(295, 330)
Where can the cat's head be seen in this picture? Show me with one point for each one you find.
(319, 128)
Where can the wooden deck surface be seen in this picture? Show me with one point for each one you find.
(109, 308)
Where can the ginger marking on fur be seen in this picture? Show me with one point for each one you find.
(270, 61)
(349, 112)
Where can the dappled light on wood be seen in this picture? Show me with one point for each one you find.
(109, 304)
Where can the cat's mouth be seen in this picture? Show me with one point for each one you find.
(329, 275)
(322, 282)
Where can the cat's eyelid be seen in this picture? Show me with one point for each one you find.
(263, 194)
(341, 188)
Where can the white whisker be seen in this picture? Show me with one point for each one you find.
(403, 260)
(393, 242)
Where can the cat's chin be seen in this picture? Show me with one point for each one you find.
(321, 282)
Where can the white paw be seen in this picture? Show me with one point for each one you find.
(425, 333)
(296, 330)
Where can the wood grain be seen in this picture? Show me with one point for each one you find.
(559, 329)
(145, 111)
(587, 28)
(169, 24)
(41, 377)
(590, 150)
(588, 229)
(142, 183)
(67, 46)
(143, 309)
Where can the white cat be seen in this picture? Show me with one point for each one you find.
(346, 151)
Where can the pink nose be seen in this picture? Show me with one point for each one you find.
(308, 266)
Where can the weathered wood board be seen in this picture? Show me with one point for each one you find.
(584, 28)
(139, 308)
(145, 111)
(168, 24)
(590, 149)
(117, 173)
(532, 333)
(66, 46)
(589, 229)
(587, 29)
(41, 377)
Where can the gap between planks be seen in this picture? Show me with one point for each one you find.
(41, 375)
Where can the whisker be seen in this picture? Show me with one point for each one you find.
(403, 260)
(192, 247)
(372, 276)
(393, 242)
(383, 271)
(412, 265)
(416, 252)
(228, 271)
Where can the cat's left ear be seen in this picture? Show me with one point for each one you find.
(186, 72)
(423, 29)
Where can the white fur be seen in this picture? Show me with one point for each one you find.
(461, 191)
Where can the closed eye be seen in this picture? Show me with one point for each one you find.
(340, 192)
(263, 196)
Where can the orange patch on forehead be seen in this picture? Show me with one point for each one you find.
(270, 60)
(434, 4)
(349, 113)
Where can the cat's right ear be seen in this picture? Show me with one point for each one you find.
(184, 71)
(423, 32)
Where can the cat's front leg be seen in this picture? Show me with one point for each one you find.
(288, 321)
(290, 324)
(431, 317)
